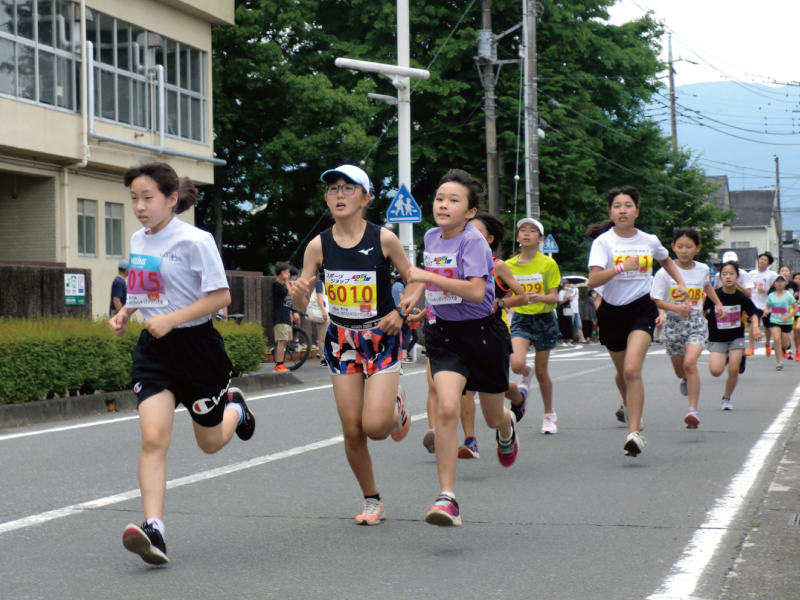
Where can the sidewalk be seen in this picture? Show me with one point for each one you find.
(768, 564)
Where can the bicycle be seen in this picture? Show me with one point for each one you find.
(297, 350)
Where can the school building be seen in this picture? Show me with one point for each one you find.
(145, 68)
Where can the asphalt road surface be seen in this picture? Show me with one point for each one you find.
(273, 517)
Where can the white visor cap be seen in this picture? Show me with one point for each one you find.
(533, 222)
(351, 172)
(730, 256)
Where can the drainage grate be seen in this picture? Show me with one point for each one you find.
(794, 519)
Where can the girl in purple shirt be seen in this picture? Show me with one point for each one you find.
(468, 348)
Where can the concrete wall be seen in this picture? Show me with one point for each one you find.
(28, 220)
(38, 290)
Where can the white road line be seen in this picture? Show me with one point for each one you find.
(687, 571)
(579, 359)
(203, 475)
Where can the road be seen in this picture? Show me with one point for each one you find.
(273, 517)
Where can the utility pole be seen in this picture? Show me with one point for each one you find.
(780, 216)
(487, 55)
(672, 120)
(531, 112)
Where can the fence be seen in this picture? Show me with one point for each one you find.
(30, 289)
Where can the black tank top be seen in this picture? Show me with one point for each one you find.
(357, 280)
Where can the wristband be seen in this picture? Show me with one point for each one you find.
(400, 311)
(620, 268)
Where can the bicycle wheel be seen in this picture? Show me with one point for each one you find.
(298, 349)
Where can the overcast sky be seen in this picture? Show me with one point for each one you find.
(745, 39)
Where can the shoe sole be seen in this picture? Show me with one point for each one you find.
(620, 414)
(549, 432)
(465, 452)
(370, 521)
(632, 449)
(428, 440)
(135, 540)
(442, 519)
(691, 421)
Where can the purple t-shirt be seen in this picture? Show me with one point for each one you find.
(464, 256)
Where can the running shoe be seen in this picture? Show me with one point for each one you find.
(525, 380)
(444, 512)
(281, 368)
(634, 444)
(564, 344)
(749, 352)
(507, 454)
(147, 542)
(743, 364)
(469, 449)
(246, 428)
(684, 387)
(549, 423)
(404, 422)
(726, 404)
(779, 366)
(769, 351)
(784, 353)
(788, 355)
(323, 363)
(621, 414)
(408, 359)
(372, 514)
(692, 419)
(519, 409)
(428, 440)
(797, 356)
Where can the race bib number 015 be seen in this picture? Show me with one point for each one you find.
(531, 283)
(145, 282)
(733, 317)
(446, 266)
(695, 294)
(645, 264)
(352, 294)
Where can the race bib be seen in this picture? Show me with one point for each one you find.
(778, 310)
(695, 294)
(446, 266)
(645, 264)
(733, 317)
(531, 283)
(352, 294)
(145, 282)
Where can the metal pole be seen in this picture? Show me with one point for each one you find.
(531, 113)
(404, 121)
(780, 216)
(672, 120)
(490, 99)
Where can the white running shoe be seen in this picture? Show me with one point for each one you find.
(684, 387)
(634, 444)
(726, 404)
(525, 380)
(549, 423)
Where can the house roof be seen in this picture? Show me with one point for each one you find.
(754, 208)
(720, 197)
(748, 257)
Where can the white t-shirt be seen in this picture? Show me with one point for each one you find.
(761, 284)
(744, 280)
(173, 269)
(696, 279)
(573, 300)
(609, 249)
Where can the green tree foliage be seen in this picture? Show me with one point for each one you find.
(284, 113)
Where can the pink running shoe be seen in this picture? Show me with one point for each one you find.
(692, 419)
(508, 458)
(444, 512)
(372, 514)
(429, 439)
(404, 422)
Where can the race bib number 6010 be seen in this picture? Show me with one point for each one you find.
(352, 294)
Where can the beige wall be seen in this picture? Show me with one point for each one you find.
(28, 217)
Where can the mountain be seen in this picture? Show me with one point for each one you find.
(743, 125)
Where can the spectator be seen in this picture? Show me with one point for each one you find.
(322, 328)
(574, 306)
(281, 320)
(295, 316)
(565, 318)
(589, 316)
(398, 289)
(119, 288)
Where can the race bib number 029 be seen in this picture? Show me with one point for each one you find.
(352, 294)
(695, 294)
(531, 283)
(645, 264)
(733, 317)
(145, 282)
(446, 266)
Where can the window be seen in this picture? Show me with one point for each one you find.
(113, 230)
(740, 244)
(87, 216)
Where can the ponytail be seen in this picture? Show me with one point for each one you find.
(187, 195)
(597, 229)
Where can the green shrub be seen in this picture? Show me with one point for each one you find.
(48, 356)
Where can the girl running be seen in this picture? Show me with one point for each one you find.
(534, 321)
(780, 307)
(467, 346)
(363, 344)
(621, 260)
(726, 334)
(177, 279)
(685, 329)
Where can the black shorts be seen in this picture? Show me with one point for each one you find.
(617, 322)
(785, 327)
(478, 349)
(190, 362)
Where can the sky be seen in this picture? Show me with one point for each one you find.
(752, 41)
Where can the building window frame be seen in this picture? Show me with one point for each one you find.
(115, 228)
(87, 227)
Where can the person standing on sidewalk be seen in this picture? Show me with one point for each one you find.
(119, 288)
(281, 316)
(589, 316)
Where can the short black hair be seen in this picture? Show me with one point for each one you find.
(280, 268)
(769, 256)
(293, 272)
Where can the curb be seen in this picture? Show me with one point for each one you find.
(73, 407)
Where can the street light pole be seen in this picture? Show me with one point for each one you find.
(531, 112)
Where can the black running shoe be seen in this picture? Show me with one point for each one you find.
(743, 364)
(248, 426)
(147, 542)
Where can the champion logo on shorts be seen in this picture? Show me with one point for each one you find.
(203, 406)
(137, 388)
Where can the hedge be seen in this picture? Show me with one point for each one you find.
(48, 356)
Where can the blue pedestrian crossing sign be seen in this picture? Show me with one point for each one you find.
(550, 244)
(404, 209)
